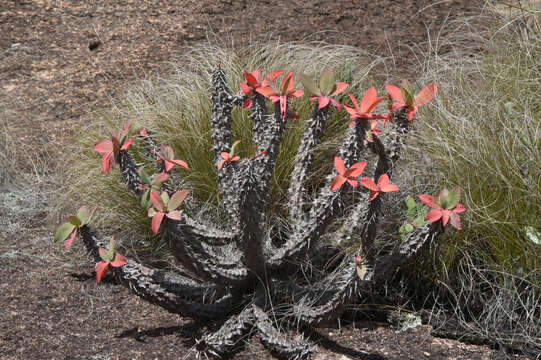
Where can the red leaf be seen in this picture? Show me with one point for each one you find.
(445, 216)
(104, 146)
(101, 270)
(274, 74)
(370, 96)
(119, 261)
(356, 169)
(157, 221)
(369, 183)
(352, 182)
(106, 162)
(296, 94)
(426, 95)
(266, 91)
(337, 182)
(389, 188)
(394, 92)
(340, 88)
(127, 144)
(339, 165)
(373, 195)
(246, 89)
(323, 101)
(283, 106)
(250, 80)
(459, 208)
(434, 215)
(180, 163)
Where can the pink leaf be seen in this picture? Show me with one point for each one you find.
(174, 215)
(157, 201)
(455, 220)
(177, 199)
(220, 164)
(429, 200)
(157, 221)
(71, 239)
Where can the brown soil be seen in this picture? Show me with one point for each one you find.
(58, 59)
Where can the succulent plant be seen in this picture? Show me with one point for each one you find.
(251, 276)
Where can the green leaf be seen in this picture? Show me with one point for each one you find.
(145, 199)
(74, 220)
(410, 203)
(63, 231)
(145, 179)
(327, 80)
(453, 198)
(309, 84)
(234, 148)
(533, 234)
(165, 197)
(420, 221)
(84, 215)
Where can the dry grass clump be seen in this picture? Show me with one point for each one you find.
(484, 135)
(176, 108)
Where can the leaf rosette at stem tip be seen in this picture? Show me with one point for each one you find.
(110, 148)
(163, 205)
(254, 81)
(345, 174)
(365, 110)
(229, 157)
(148, 186)
(327, 89)
(167, 156)
(447, 207)
(402, 97)
(109, 257)
(82, 218)
(282, 93)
